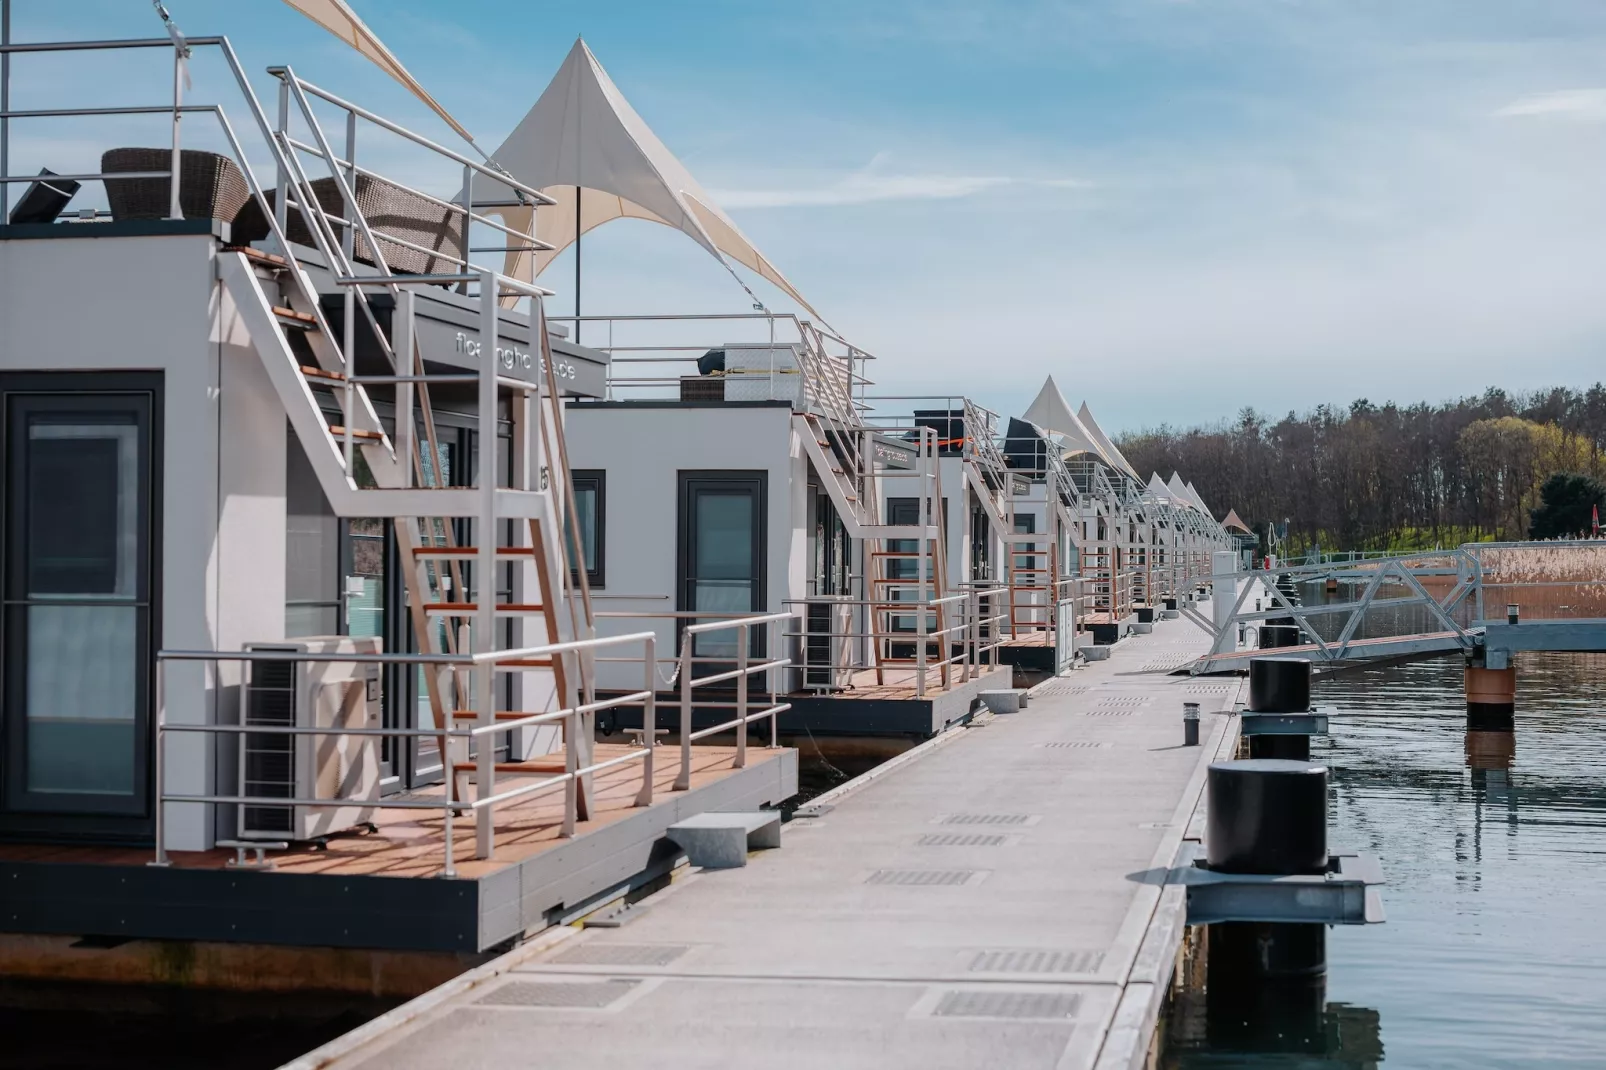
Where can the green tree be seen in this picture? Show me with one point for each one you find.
(1567, 502)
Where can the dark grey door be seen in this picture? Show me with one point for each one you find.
(79, 589)
(722, 554)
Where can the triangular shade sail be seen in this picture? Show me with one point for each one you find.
(1106, 447)
(1157, 487)
(583, 133)
(340, 20)
(1193, 492)
(1232, 523)
(1052, 412)
(1179, 492)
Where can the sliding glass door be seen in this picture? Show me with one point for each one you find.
(78, 593)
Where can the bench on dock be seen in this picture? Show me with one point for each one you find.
(722, 840)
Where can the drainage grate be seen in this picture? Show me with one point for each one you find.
(1073, 744)
(1061, 689)
(1050, 1006)
(600, 954)
(1167, 664)
(1208, 689)
(925, 878)
(1110, 713)
(961, 839)
(987, 819)
(1122, 700)
(1036, 961)
(593, 995)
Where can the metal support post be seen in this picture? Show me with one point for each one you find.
(158, 762)
(741, 697)
(771, 652)
(5, 108)
(485, 571)
(649, 717)
(174, 209)
(683, 778)
(281, 208)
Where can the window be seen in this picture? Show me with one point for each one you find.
(590, 505)
(81, 483)
(722, 552)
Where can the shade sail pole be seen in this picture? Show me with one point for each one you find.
(577, 195)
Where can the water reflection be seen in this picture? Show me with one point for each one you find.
(1493, 954)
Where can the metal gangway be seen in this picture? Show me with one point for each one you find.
(1470, 599)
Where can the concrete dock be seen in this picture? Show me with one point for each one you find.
(992, 898)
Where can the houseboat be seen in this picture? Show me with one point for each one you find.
(353, 602)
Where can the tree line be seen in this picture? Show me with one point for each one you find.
(1389, 476)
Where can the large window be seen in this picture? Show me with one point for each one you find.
(79, 494)
(722, 552)
(591, 510)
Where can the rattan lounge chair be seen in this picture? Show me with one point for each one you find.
(210, 186)
(390, 211)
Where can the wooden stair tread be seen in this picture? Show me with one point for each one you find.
(305, 319)
(257, 255)
(318, 373)
(471, 551)
(473, 607)
(371, 436)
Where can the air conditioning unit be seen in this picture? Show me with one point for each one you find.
(310, 694)
(827, 645)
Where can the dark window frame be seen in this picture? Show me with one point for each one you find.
(688, 482)
(597, 478)
(135, 823)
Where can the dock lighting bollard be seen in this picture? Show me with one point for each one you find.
(1190, 724)
(1512, 612)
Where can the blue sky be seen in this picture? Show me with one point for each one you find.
(1176, 207)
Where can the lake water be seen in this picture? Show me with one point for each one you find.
(1494, 846)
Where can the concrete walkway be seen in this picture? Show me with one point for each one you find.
(991, 901)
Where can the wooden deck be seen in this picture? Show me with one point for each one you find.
(357, 893)
(410, 843)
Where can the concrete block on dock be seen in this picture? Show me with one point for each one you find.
(1142, 627)
(1096, 653)
(1004, 701)
(1170, 614)
(721, 840)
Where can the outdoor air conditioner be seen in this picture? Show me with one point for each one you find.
(827, 645)
(310, 694)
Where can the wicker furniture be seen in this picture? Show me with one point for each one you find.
(389, 210)
(210, 186)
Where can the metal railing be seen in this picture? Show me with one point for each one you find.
(652, 356)
(572, 719)
(965, 646)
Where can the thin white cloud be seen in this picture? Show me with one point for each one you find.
(871, 185)
(1588, 105)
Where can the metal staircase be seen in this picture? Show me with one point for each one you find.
(513, 521)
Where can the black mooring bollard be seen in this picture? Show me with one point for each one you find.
(1190, 724)
(1274, 636)
(1279, 685)
(1267, 816)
